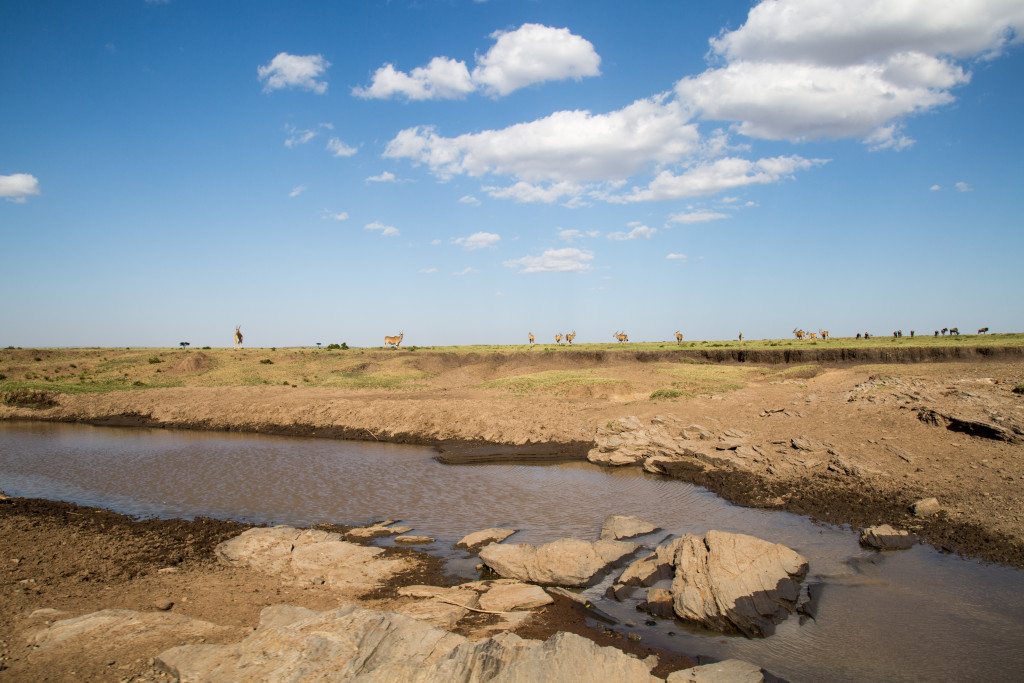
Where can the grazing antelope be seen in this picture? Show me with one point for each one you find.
(983, 330)
(394, 341)
(823, 333)
(621, 337)
(238, 335)
(558, 338)
(799, 334)
(955, 330)
(679, 337)
(533, 340)
(569, 336)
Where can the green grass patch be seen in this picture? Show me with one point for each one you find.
(665, 394)
(549, 380)
(30, 398)
(806, 371)
(1019, 389)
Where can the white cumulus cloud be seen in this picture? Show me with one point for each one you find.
(808, 69)
(478, 240)
(565, 260)
(18, 187)
(532, 53)
(935, 188)
(294, 71)
(673, 256)
(470, 200)
(567, 146)
(961, 186)
(383, 229)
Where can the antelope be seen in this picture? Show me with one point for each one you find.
(823, 333)
(679, 337)
(983, 330)
(812, 335)
(799, 334)
(558, 338)
(238, 335)
(569, 336)
(533, 340)
(394, 341)
(621, 337)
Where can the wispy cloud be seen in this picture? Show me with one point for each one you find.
(427, 271)
(339, 149)
(673, 256)
(384, 229)
(478, 240)
(338, 216)
(385, 177)
(961, 186)
(565, 260)
(296, 191)
(935, 188)
(470, 200)
(468, 270)
(638, 231)
(571, 234)
(691, 217)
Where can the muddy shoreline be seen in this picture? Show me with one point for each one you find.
(846, 500)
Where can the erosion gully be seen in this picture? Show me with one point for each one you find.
(909, 615)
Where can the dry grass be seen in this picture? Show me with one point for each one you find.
(549, 381)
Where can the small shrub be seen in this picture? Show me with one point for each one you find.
(153, 360)
(343, 346)
(206, 348)
(37, 359)
(273, 348)
(2, 377)
(30, 398)
(266, 361)
(664, 394)
(1019, 389)
(138, 383)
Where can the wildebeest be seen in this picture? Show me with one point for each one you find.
(911, 334)
(983, 330)
(858, 335)
(955, 330)
(394, 341)
(944, 331)
(621, 337)
(741, 336)
(936, 333)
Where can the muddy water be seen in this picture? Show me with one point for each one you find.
(910, 615)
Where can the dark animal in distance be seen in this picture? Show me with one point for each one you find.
(983, 330)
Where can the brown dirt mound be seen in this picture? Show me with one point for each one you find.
(192, 362)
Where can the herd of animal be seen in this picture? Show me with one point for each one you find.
(395, 342)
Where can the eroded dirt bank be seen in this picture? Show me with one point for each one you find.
(953, 431)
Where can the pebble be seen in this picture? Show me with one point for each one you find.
(634, 636)
(163, 605)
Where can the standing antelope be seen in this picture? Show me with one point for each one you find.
(812, 335)
(238, 335)
(394, 341)
(823, 333)
(533, 340)
(679, 337)
(569, 336)
(799, 334)
(558, 338)
(621, 337)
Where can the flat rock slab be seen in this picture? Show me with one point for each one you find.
(727, 671)
(94, 639)
(514, 596)
(414, 539)
(734, 582)
(617, 527)
(484, 536)
(885, 537)
(565, 562)
(386, 528)
(352, 643)
(310, 556)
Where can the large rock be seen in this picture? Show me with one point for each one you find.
(926, 507)
(352, 643)
(505, 597)
(727, 671)
(483, 537)
(617, 527)
(665, 445)
(734, 582)
(565, 562)
(885, 537)
(652, 568)
(305, 557)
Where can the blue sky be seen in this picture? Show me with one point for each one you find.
(171, 169)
